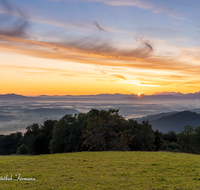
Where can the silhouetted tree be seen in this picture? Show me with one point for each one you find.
(148, 136)
(106, 130)
(158, 140)
(101, 130)
(67, 134)
(185, 139)
(37, 138)
(170, 136)
(10, 143)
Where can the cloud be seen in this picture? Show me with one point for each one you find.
(143, 4)
(140, 83)
(119, 76)
(83, 50)
(178, 17)
(14, 14)
(98, 52)
(97, 25)
(42, 71)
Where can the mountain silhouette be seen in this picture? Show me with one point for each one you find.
(176, 122)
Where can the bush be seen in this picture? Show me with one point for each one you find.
(22, 149)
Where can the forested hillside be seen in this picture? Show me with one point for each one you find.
(172, 121)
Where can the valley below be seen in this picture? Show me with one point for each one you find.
(17, 112)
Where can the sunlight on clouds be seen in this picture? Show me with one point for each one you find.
(84, 56)
(140, 84)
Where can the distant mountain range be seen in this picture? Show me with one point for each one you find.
(172, 121)
(162, 96)
(15, 97)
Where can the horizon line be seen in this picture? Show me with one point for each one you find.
(155, 93)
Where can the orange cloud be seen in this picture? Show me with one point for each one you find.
(119, 76)
(102, 53)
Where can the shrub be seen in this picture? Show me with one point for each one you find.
(22, 149)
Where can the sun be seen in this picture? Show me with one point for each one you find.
(138, 94)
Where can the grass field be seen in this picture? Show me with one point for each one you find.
(103, 170)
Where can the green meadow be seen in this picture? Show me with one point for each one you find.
(102, 170)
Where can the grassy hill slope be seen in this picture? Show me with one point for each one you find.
(103, 170)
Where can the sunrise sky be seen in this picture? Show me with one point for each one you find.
(78, 47)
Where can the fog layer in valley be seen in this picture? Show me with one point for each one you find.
(16, 115)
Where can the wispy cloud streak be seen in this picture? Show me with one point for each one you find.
(99, 27)
(119, 76)
(143, 4)
(20, 21)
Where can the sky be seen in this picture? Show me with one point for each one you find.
(79, 47)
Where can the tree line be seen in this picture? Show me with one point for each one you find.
(98, 130)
